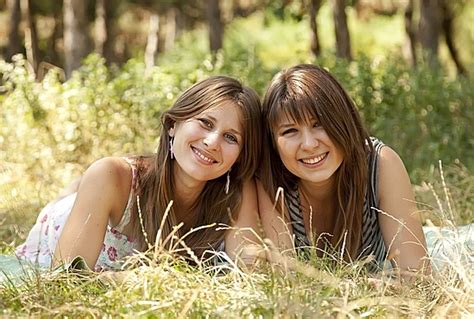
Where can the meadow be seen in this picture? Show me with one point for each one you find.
(51, 130)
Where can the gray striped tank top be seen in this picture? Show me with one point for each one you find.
(372, 241)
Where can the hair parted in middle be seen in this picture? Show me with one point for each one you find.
(304, 93)
(157, 187)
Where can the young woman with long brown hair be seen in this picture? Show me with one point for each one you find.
(207, 155)
(344, 191)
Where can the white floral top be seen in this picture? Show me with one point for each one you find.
(41, 241)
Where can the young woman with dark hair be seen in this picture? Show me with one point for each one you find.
(207, 155)
(344, 191)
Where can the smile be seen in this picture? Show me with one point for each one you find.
(202, 156)
(314, 160)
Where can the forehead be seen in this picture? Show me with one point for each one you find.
(227, 113)
(294, 113)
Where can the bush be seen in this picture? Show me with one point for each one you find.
(51, 130)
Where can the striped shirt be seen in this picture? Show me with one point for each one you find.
(372, 241)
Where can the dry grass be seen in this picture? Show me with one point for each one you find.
(158, 285)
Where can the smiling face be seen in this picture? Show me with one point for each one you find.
(208, 144)
(306, 150)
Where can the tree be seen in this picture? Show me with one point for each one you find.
(162, 29)
(343, 41)
(152, 41)
(215, 25)
(314, 6)
(436, 19)
(429, 28)
(14, 44)
(447, 28)
(52, 54)
(105, 28)
(410, 30)
(76, 34)
(31, 35)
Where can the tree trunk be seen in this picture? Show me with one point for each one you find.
(215, 25)
(106, 11)
(152, 41)
(31, 37)
(343, 41)
(245, 9)
(411, 33)
(76, 37)
(429, 28)
(314, 6)
(14, 45)
(52, 54)
(171, 29)
(447, 27)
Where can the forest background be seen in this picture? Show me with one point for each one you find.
(85, 79)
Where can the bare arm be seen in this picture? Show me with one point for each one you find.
(274, 223)
(400, 223)
(102, 195)
(243, 240)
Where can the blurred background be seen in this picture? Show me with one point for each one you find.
(61, 33)
(82, 79)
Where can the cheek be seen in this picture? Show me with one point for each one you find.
(231, 152)
(284, 147)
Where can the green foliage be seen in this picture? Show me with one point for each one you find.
(55, 129)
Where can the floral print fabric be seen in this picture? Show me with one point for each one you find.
(43, 237)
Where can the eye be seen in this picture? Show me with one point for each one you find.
(231, 138)
(288, 131)
(205, 123)
(316, 124)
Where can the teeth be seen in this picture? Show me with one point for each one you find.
(207, 159)
(314, 160)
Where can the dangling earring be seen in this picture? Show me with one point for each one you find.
(171, 148)
(227, 184)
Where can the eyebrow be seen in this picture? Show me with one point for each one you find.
(231, 130)
(292, 123)
(285, 125)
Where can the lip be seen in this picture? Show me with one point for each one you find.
(320, 160)
(203, 157)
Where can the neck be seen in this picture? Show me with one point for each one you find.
(318, 192)
(318, 202)
(186, 191)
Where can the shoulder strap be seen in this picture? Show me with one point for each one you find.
(293, 204)
(374, 171)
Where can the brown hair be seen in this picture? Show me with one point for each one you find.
(156, 188)
(303, 92)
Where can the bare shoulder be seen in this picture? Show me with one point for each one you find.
(394, 182)
(390, 165)
(114, 169)
(111, 176)
(388, 156)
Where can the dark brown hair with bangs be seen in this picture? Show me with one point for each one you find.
(156, 183)
(304, 92)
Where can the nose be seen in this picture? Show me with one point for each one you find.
(309, 140)
(211, 140)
